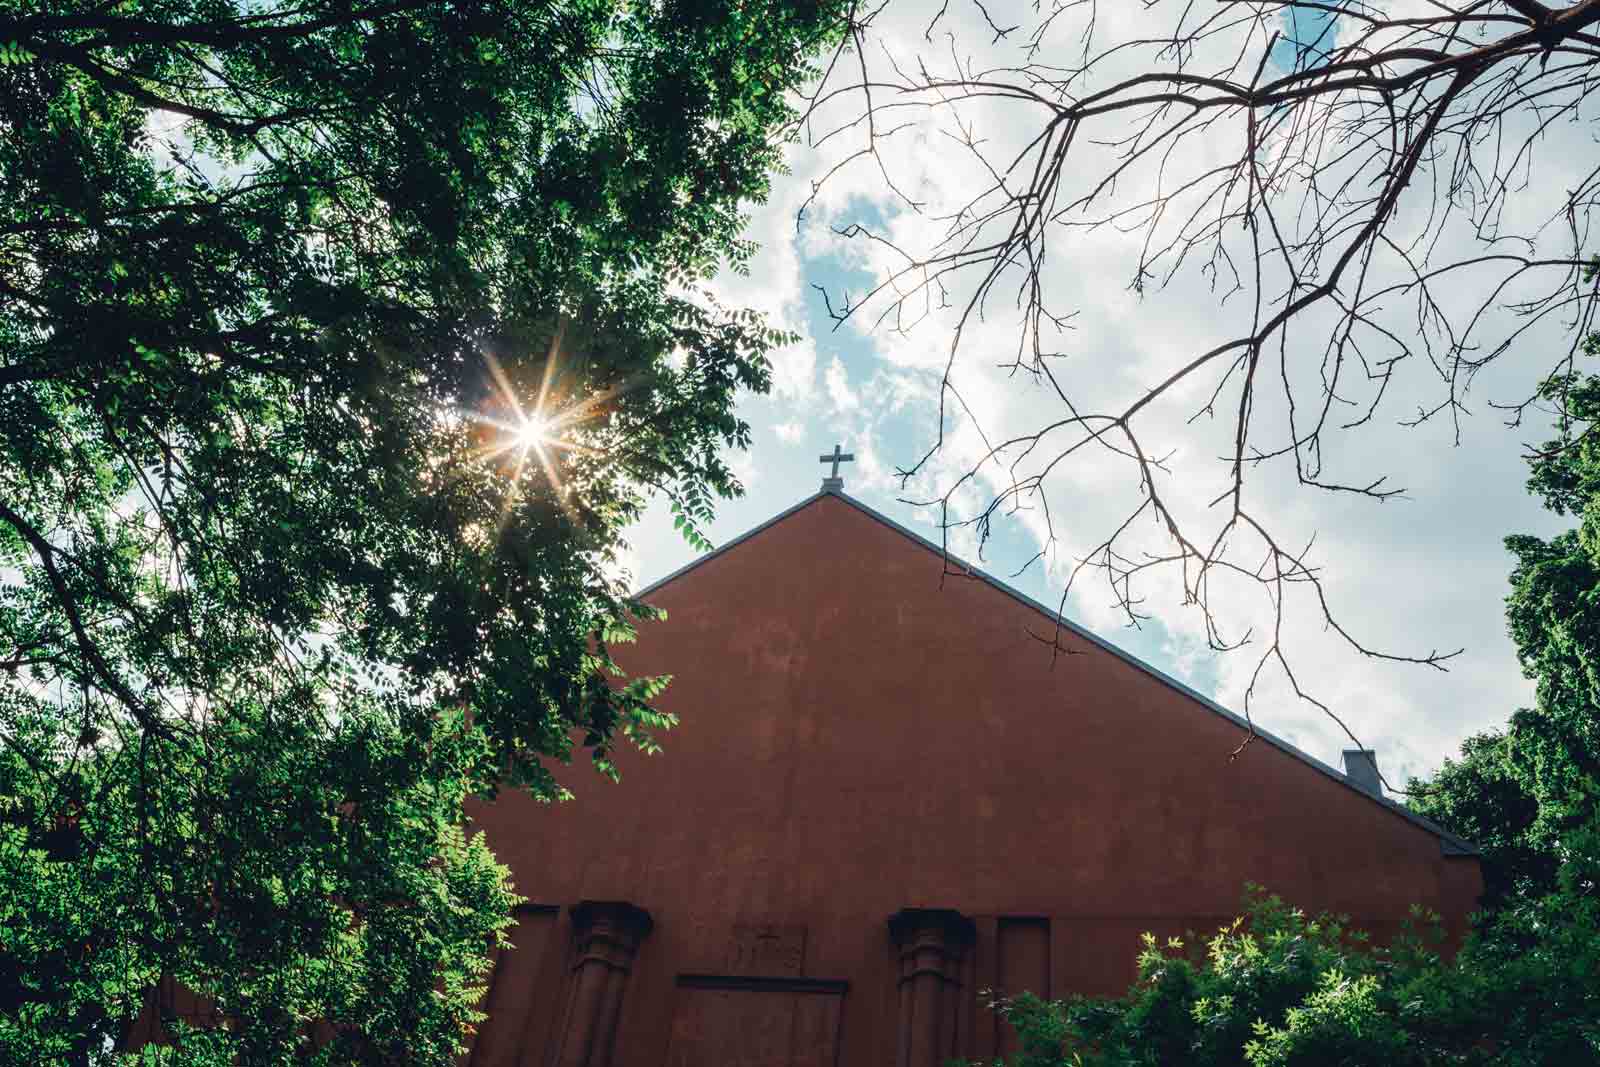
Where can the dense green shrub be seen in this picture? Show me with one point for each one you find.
(1279, 988)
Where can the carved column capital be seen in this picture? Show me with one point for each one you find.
(609, 932)
(944, 927)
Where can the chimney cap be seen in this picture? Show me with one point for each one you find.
(1361, 768)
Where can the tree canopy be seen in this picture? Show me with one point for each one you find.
(338, 343)
(1523, 792)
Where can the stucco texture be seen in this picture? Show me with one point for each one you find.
(862, 733)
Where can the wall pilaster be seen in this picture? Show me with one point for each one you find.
(932, 944)
(606, 937)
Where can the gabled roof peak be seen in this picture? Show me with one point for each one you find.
(1449, 843)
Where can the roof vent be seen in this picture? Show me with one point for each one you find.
(1361, 767)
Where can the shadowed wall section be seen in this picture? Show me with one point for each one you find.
(730, 1020)
(518, 989)
(864, 738)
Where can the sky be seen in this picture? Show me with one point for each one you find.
(1423, 571)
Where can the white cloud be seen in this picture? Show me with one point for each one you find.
(794, 371)
(837, 380)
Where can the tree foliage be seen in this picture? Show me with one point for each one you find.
(338, 343)
(1526, 790)
(1278, 988)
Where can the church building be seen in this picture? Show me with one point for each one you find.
(887, 795)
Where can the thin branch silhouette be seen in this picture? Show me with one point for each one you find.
(1349, 175)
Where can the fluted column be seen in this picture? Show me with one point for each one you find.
(932, 943)
(606, 936)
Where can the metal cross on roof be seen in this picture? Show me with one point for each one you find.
(833, 481)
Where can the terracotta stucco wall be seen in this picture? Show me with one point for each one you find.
(856, 739)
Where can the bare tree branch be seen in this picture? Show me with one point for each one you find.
(1359, 179)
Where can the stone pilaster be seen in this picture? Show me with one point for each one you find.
(932, 944)
(606, 937)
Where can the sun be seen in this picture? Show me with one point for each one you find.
(535, 431)
(544, 434)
